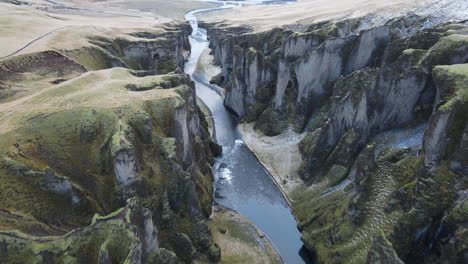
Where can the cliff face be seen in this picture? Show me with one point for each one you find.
(101, 164)
(340, 84)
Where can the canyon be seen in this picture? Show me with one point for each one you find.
(253, 132)
(353, 118)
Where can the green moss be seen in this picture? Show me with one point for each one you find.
(412, 51)
(161, 113)
(163, 256)
(140, 122)
(183, 247)
(326, 226)
(232, 228)
(74, 130)
(434, 193)
(253, 54)
(214, 252)
(454, 77)
(336, 174)
(168, 146)
(239, 240)
(119, 141)
(382, 251)
(390, 154)
(408, 188)
(320, 31)
(252, 50)
(97, 217)
(80, 246)
(68, 143)
(457, 69)
(144, 86)
(339, 226)
(405, 169)
(204, 186)
(271, 122)
(93, 58)
(459, 214)
(456, 38)
(446, 50)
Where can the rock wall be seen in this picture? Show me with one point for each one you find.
(143, 163)
(341, 83)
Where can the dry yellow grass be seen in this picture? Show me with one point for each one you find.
(33, 32)
(174, 9)
(23, 25)
(102, 89)
(307, 11)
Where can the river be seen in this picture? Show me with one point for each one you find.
(242, 183)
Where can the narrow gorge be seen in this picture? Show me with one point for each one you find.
(233, 131)
(242, 183)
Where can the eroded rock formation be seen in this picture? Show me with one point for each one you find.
(111, 161)
(339, 84)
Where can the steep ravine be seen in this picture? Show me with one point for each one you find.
(242, 183)
(106, 157)
(323, 96)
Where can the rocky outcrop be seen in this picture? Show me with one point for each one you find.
(159, 53)
(339, 84)
(47, 180)
(382, 252)
(121, 236)
(440, 188)
(128, 142)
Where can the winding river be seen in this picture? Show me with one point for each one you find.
(242, 183)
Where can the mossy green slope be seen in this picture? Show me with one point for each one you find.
(61, 149)
(113, 237)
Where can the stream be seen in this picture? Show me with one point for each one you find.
(242, 183)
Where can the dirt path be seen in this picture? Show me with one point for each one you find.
(94, 11)
(32, 42)
(57, 29)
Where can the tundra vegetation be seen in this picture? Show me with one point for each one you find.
(105, 154)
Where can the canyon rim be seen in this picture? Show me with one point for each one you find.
(251, 131)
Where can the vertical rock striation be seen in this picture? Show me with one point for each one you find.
(342, 83)
(143, 163)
